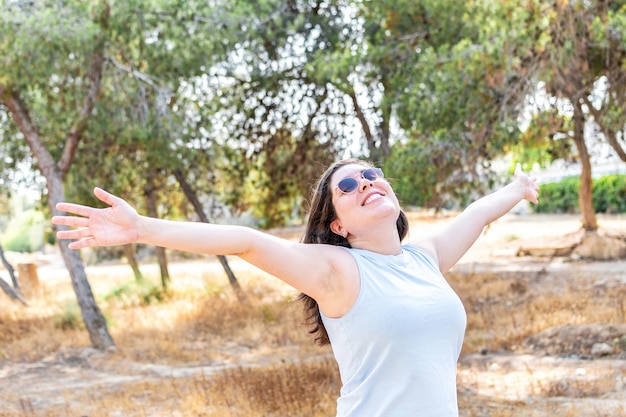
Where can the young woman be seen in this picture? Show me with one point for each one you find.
(394, 324)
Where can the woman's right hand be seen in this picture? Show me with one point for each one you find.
(114, 225)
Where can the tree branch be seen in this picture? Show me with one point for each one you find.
(14, 294)
(9, 268)
(137, 74)
(359, 114)
(79, 126)
(610, 134)
(192, 197)
(13, 102)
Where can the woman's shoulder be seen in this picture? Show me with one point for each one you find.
(422, 252)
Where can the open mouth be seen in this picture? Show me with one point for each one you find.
(371, 198)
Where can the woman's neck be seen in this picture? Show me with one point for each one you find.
(385, 242)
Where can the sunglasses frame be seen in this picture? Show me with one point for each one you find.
(351, 184)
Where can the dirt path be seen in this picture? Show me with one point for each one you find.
(62, 380)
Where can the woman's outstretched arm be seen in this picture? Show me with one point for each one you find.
(451, 243)
(308, 268)
(120, 224)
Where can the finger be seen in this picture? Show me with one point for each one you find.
(74, 234)
(75, 209)
(72, 221)
(518, 169)
(107, 197)
(83, 243)
(535, 198)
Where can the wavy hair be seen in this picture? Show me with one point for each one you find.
(321, 214)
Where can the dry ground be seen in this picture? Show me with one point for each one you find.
(534, 325)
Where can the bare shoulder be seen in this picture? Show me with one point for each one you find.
(427, 244)
(318, 270)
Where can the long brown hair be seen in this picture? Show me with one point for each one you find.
(321, 214)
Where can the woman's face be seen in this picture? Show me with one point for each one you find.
(372, 200)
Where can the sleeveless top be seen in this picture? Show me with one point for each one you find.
(397, 347)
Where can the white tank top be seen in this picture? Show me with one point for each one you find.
(397, 347)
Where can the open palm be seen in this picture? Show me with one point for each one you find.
(114, 225)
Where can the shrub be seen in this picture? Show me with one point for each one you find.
(609, 195)
(70, 318)
(559, 197)
(137, 294)
(24, 233)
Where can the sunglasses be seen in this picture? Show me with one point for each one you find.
(350, 184)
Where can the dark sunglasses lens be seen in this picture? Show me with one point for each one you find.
(372, 174)
(347, 185)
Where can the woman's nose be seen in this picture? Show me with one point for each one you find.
(364, 183)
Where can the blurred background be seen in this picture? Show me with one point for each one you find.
(228, 111)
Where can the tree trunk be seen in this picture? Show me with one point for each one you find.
(367, 132)
(13, 294)
(384, 127)
(585, 192)
(195, 202)
(151, 206)
(131, 255)
(9, 267)
(53, 173)
(92, 316)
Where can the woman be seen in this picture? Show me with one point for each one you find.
(394, 324)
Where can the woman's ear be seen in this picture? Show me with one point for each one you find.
(337, 228)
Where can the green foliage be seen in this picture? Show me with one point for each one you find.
(283, 176)
(277, 95)
(416, 171)
(137, 294)
(456, 95)
(559, 197)
(149, 47)
(609, 195)
(45, 50)
(70, 318)
(545, 140)
(251, 99)
(25, 232)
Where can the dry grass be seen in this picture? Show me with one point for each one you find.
(304, 390)
(197, 351)
(505, 308)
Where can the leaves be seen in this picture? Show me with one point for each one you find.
(439, 84)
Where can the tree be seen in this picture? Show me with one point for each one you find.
(78, 77)
(453, 86)
(38, 37)
(279, 110)
(460, 76)
(580, 53)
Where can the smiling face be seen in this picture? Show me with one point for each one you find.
(323, 213)
(373, 200)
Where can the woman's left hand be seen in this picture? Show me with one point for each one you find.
(531, 188)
